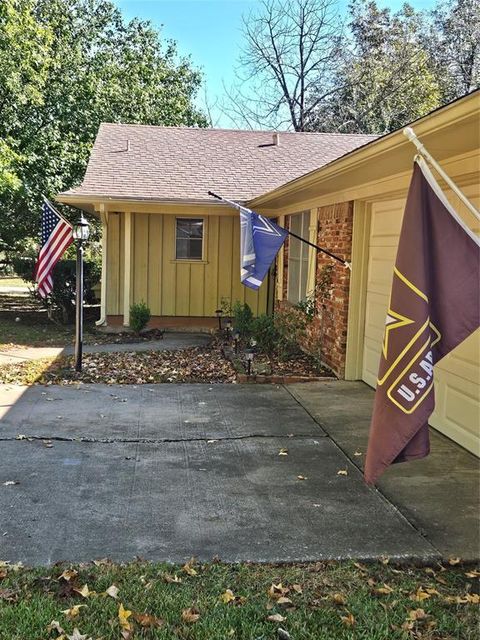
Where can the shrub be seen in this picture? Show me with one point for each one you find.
(265, 333)
(242, 319)
(291, 323)
(139, 316)
(64, 283)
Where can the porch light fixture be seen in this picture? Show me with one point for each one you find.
(81, 230)
(218, 313)
(81, 233)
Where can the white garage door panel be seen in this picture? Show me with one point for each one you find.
(457, 377)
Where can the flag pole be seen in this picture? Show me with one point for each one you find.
(290, 233)
(410, 134)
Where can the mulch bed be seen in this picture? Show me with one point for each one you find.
(195, 364)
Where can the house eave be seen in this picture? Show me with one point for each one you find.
(376, 155)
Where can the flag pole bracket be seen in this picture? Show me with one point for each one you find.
(410, 134)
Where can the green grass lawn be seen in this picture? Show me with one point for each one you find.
(246, 601)
(36, 334)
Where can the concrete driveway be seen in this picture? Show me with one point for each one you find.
(167, 472)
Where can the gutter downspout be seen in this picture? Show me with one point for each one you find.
(102, 321)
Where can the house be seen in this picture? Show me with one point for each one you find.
(355, 206)
(165, 240)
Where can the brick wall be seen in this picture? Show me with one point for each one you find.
(335, 225)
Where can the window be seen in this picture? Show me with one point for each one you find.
(298, 258)
(189, 239)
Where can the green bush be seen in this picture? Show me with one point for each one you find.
(291, 321)
(265, 333)
(139, 316)
(242, 319)
(64, 283)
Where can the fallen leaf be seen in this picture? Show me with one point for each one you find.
(112, 591)
(342, 472)
(284, 600)
(339, 598)
(188, 567)
(276, 617)
(297, 588)
(68, 574)
(190, 615)
(283, 452)
(227, 597)
(348, 620)
(55, 626)
(385, 590)
(454, 561)
(102, 562)
(74, 611)
(276, 591)
(417, 614)
(473, 574)
(77, 635)
(358, 453)
(84, 591)
(420, 595)
(302, 478)
(123, 615)
(9, 595)
(148, 621)
(172, 579)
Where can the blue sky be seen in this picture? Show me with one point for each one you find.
(210, 31)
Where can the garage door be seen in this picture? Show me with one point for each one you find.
(457, 376)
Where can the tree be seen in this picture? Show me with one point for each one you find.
(387, 78)
(69, 65)
(287, 64)
(454, 42)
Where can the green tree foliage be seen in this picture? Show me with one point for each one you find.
(454, 45)
(387, 78)
(62, 296)
(66, 66)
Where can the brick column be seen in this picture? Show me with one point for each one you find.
(335, 225)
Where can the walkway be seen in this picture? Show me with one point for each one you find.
(170, 341)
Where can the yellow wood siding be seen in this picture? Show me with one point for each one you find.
(457, 376)
(115, 264)
(173, 287)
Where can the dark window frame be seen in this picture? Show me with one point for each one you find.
(189, 241)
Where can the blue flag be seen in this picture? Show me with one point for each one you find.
(260, 241)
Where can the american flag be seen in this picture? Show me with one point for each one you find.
(56, 237)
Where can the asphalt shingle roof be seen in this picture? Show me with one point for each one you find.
(180, 163)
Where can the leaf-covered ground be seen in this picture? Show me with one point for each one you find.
(246, 601)
(195, 364)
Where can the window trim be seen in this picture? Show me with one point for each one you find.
(303, 263)
(201, 260)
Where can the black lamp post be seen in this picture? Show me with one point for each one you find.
(81, 232)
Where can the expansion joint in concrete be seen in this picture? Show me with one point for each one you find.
(45, 438)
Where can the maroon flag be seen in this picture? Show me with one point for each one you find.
(434, 305)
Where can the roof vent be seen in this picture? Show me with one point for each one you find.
(276, 139)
